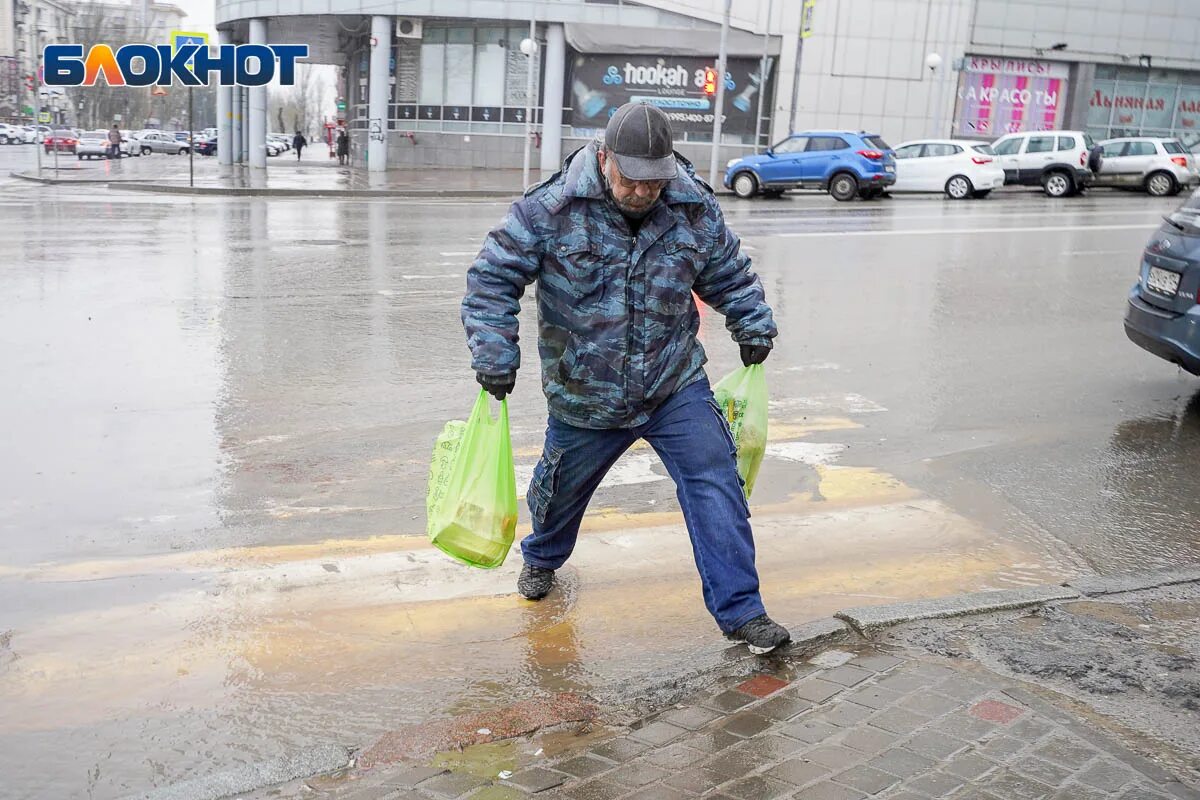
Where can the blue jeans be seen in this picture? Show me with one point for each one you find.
(692, 439)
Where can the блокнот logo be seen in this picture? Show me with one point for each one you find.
(192, 64)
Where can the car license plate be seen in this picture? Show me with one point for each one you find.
(1163, 281)
(889, 168)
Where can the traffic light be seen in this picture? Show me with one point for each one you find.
(29, 82)
(710, 81)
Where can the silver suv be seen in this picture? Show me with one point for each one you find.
(1159, 166)
(160, 142)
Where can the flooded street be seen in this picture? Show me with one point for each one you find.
(220, 411)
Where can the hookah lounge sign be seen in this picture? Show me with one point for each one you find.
(1010, 95)
(600, 84)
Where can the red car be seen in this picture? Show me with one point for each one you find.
(62, 141)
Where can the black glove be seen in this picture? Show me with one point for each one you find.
(497, 385)
(754, 354)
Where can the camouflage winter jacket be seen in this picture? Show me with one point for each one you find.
(617, 318)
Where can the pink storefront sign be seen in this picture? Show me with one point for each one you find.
(1003, 95)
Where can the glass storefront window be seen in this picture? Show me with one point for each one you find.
(460, 61)
(489, 67)
(433, 67)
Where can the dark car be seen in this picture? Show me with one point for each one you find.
(1163, 312)
(206, 147)
(844, 163)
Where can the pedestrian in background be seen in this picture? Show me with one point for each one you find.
(114, 143)
(618, 241)
(298, 143)
(343, 146)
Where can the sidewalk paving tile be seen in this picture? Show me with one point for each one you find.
(783, 708)
(1003, 747)
(770, 747)
(659, 792)
(935, 784)
(903, 681)
(746, 724)
(963, 726)
(692, 782)
(828, 791)
(451, 784)
(847, 675)
(809, 731)
(1010, 784)
(711, 741)
(693, 717)
(995, 711)
(898, 720)
(845, 714)
(934, 745)
(900, 762)
(597, 789)
(536, 779)
(637, 774)
(761, 686)
(728, 701)
(931, 704)
(874, 697)
(877, 662)
(1106, 774)
(674, 756)
(620, 750)
(799, 772)
(410, 777)
(1076, 791)
(969, 766)
(869, 740)
(833, 756)
(1065, 752)
(757, 787)
(584, 766)
(1041, 770)
(498, 793)
(867, 779)
(657, 734)
(815, 690)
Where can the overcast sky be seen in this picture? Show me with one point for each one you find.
(199, 16)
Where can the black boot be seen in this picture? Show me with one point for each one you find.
(535, 582)
(761, 635)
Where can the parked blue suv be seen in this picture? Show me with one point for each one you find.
(844, 163)
(1163, 312)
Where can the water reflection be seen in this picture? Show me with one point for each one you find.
(1149, 495)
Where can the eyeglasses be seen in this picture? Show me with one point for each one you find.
(625, 183)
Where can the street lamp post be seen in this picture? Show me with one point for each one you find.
(934, 62)
(529, 48)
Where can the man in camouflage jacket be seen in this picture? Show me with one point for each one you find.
(618, 241)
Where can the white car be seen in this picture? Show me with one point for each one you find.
(130, 146)
(11, 134)
(92, 144)
(1159, 166)
(957, 167)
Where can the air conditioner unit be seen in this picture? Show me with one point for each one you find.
(408, 28)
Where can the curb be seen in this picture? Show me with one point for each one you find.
(302, 764)
(219, 191)
(57, 181)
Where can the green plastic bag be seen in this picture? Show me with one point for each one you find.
(472, 501)
(742, 397)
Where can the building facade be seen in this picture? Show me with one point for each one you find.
(443, 82)
(33, 25)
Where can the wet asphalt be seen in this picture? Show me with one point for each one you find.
(192, 384)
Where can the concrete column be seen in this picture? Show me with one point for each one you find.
(224, 124)
(236, 123)
(377, 93)
(245, 101)
(552, 98)
(258, 105)
(224, 118)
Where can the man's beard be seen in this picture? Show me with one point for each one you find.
(635, 212)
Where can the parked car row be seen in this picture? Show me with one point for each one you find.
(850, 164)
